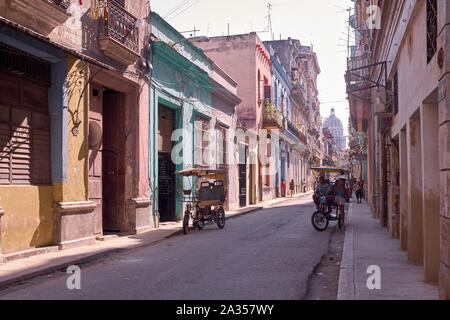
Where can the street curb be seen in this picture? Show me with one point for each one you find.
(346, 289)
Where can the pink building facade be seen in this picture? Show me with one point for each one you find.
(247, 61)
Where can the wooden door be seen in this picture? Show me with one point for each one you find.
(95, 154)
(166, 168)
(113, 140)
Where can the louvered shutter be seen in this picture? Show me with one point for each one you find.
(20, 146)
(41, 149)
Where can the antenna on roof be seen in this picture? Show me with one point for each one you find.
(269, 17)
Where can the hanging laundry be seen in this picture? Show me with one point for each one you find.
(95, 9)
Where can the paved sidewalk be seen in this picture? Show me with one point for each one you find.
(24, 269)
(367, 244)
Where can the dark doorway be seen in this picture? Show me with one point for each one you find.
(113, 164)
(243, 178)
(166, 168)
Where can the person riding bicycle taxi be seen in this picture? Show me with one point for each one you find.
(322, 189)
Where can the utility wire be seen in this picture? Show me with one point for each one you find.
(185, 9)
(181, 4)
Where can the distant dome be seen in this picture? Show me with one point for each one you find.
(332, 121)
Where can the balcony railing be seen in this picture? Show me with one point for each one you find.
(273, 118)
(65, 4)
(119, 36)
(298, 94)
(295, 131)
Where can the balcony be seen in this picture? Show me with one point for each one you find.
(41, 16)
(296, 132)
(272, 119)
(297, 94)
(119, 36)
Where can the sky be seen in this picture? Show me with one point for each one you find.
(320, 23)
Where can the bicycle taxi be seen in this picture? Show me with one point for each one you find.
(204, 202)
(321, 218)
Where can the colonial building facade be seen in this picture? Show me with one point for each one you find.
(191, 95)
(246, 59)
(71, 123)
(408, 147)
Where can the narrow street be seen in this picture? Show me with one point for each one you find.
(267, 255)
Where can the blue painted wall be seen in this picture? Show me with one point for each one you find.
(180, 81)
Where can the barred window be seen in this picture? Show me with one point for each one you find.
(431, 29)
(395, 99)
(202, 125)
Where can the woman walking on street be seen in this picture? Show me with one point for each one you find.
(292, 187)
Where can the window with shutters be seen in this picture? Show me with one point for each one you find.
(24, 132)
(222, 144)
(201, 140)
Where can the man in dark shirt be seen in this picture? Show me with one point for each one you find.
(322, 189)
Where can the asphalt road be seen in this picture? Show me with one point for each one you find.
(267, 255)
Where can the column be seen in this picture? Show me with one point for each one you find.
(444, 144)
(431, 191)
(415, 215)
(403, 190)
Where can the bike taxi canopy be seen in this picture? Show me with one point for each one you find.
(330, 169)
(332, 172)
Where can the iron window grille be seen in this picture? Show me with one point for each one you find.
(395, 98)
(431, 29)
(23, 64)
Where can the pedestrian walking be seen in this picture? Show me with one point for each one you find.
(359, 193)
(283, 188)
(292, 187)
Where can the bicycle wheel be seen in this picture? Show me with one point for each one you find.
(220, 218)
(200, 223)
(186, 223)
(320, 221)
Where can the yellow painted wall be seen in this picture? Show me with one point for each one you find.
(76, 188)
(28, 219)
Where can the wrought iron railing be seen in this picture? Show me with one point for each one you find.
(65, 4)
(120, 25)
(296, 132)
(297, 94)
